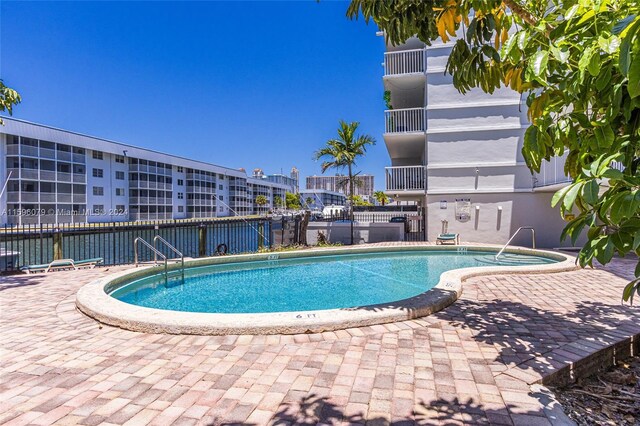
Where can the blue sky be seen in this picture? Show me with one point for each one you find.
(240, 84)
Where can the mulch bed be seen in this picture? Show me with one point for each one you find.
(609, 397)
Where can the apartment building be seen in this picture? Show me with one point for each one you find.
(364, 184)
(459, 156)
(57, 176)
(291, 181)
(318, 199)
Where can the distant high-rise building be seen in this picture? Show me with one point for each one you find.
(295, 175)
(340, 183)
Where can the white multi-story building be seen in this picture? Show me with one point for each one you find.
(57, 176)
(318, 199)
(459, 156)
(363, 184)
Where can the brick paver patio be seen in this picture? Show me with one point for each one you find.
(474, 362)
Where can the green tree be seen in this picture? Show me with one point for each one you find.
(261, 200)
(308, 201)
(293, 201)
(357, 200)
(343, 152)
(577, 63)
(381, 197)
(277, 201)
(8, 98)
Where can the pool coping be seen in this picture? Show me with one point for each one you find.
(93, 300)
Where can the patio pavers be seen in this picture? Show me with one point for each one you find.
(474, 362)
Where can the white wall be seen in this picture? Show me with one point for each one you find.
(363, 233)
(488, 225)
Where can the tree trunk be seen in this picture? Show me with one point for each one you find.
(303, 227)
(352, 199)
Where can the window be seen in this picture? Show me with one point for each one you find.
(98, 190)
(180, 169)
(220, 187)
(97, 155)
(120, 209)
(120, 192)
(180, 209)
(98, 173)
(220, 209)
(180, 182)
(120, 159)
(220, 197)
(180, 196)
(98, 209)
(120, 175)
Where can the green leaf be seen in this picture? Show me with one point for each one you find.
(539, 63)
(570, 197)
(571, 12)
(594, 64)
(585, 59)
(613, 174)
(625, 56)
(522, 39)
(609, 44)
(590, 191)
(508, 46)
(559, 195)
(634, 78)
(561, 54)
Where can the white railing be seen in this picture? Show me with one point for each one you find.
(551, 173)
(617, 165)
(407, 120)
(404, 62)
(406, 178)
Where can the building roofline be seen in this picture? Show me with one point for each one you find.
(45, 126)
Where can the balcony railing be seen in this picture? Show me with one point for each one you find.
(551, 173)
(407, 120)
(404, 62)
(406, 178)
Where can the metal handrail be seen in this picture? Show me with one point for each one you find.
(170, 247)
(153, 249)
(533, 239)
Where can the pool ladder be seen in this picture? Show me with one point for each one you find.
(533, 239)
(157, 253)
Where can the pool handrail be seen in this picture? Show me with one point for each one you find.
(170, 247)
(154, 250)
(533, 239)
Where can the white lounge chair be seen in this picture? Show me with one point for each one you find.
(62, 264)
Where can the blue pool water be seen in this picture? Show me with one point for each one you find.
(302, 284)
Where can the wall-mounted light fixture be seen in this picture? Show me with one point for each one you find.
(443, 204)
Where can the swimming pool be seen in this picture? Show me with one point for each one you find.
(305, 284)
(300, 291)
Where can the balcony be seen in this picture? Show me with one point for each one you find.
(404, 62)
(408, 120)
(551, 173)
(406, 179)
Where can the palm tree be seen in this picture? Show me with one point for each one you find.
(381, 197)
(343, 152)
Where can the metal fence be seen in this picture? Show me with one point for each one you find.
(22, 245)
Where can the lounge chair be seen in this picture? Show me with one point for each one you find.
(62, 264)
(448, 238)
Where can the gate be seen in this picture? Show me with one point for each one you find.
(416, 229)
